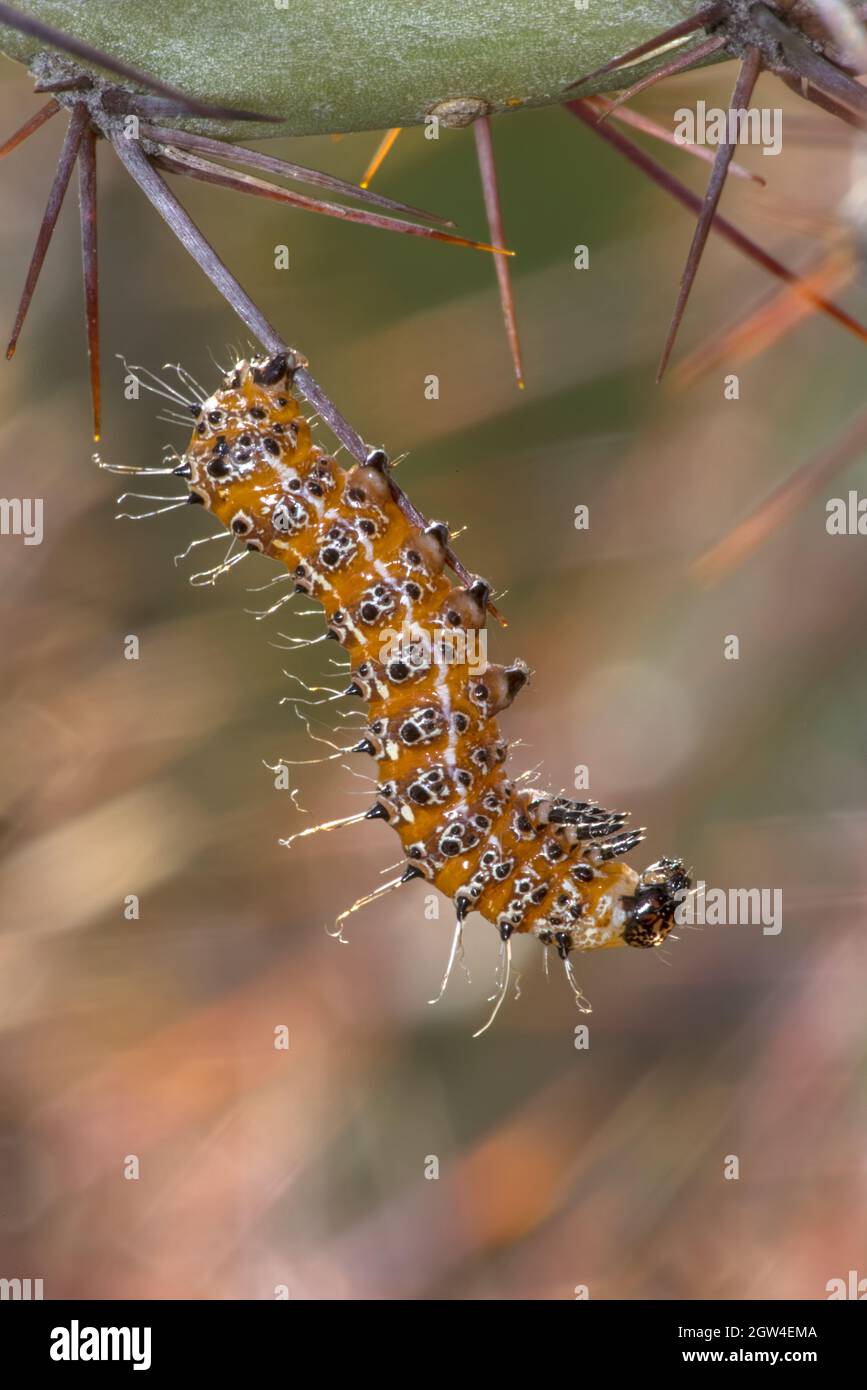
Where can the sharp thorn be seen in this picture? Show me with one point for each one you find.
(681, 63)
(382, 150)
(791, 53)
(747, 77)
(156, 190)
(491, 193)
(668, 36)
(267, 163)
(818, 98)
(190, 165)
(777, 314)
(90, 265)
(44, 114)
(68, 155)
(659, 132)
(583, 111)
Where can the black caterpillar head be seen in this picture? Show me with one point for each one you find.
(650, 909)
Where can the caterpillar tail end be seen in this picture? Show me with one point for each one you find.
(649, 912)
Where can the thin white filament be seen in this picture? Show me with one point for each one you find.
(581, 1000)
(505, 946)
(323, 826)
(188, 379)
(205, 577)
(161, 388)
(143, 516)
(203, 540)
(336, 932)
(457, 949)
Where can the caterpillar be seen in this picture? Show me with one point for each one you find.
(528, 862)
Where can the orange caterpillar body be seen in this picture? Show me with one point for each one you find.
(526, 862)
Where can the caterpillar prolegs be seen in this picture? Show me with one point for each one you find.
(529, 863)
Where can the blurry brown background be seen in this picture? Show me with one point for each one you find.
(155, 1038)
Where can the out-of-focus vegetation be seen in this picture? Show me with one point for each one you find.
(154, 1038)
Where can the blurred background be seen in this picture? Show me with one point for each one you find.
(558, 1167)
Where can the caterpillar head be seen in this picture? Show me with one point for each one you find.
(249, 441)
(650, 909)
